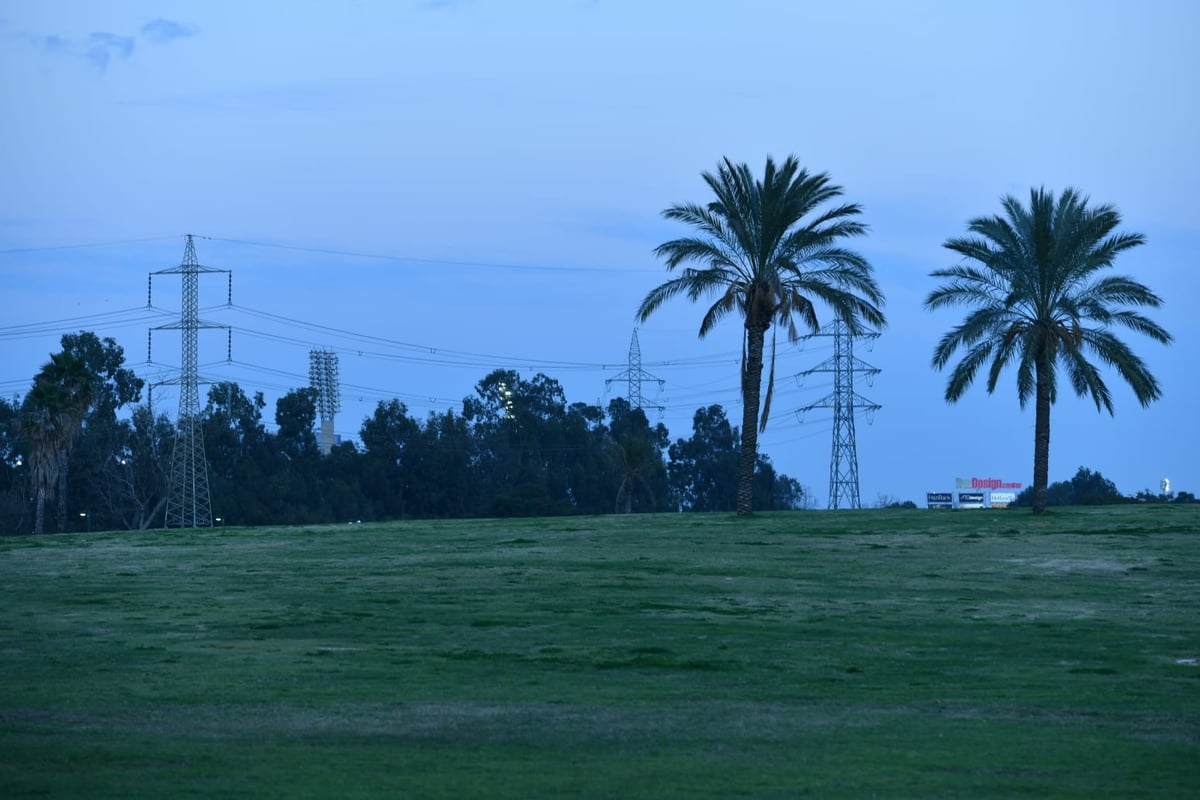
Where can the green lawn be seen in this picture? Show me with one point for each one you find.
(827, 654)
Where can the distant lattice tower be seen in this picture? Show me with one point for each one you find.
(635, 375)
(189, 504)
(843, 462)
(323, 376)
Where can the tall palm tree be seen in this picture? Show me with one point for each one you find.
(769, 253)
(54, 412)
(1030, 281)
(40, 430)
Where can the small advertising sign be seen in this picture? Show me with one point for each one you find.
(970, 499)
(939, 500)
(1002, 499)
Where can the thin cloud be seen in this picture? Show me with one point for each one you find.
(98, 49)
(55, 44)
(101, 47)
(161, 31)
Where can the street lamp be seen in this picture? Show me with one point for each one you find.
(83, 515)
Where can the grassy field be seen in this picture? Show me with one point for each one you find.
(826, 654)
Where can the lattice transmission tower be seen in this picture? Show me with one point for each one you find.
(843, 462)
(323, 376)
(189, 504)
(635, 375)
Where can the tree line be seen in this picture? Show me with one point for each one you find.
(767, 251)
(81, 446)
(1090, 488)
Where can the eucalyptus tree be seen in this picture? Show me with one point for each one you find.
(242, 454)
(99, 466)
(292, 480)
(1030, 281)
(441, 476)
(146, 466)
(518, 426)
(704, 468)
(113, 384)
(771, 252)
(390, 437)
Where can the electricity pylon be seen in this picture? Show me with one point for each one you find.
(635, 375)
(189, 504)
(323, 376)
(843, 462)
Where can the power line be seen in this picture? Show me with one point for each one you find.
(331, 251)
(420, 260)
(128, 317)
(444, 356)
(428, 354)
(299, 379)
(348, 345)
(114, 243)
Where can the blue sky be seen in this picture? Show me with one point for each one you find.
(450, 187)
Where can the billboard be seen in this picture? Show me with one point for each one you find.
(1002, 499)
(970, 499)
(984, 483)
(939, 500)
(975, 493)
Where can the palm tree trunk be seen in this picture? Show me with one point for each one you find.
(751, 397)
(62, 493)
(624, 503)
(39, 517)
(1041, 437)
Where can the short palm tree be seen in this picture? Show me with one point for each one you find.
(1031, 282)
(769, 253)
(636, 457)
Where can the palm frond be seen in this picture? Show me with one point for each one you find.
(725, 305)
(963, 374)
(1118, 355)
(1007, 350)
(1142, 324)
(711, 252)
(1026, 377)
(980, 324)
(1120, 289)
